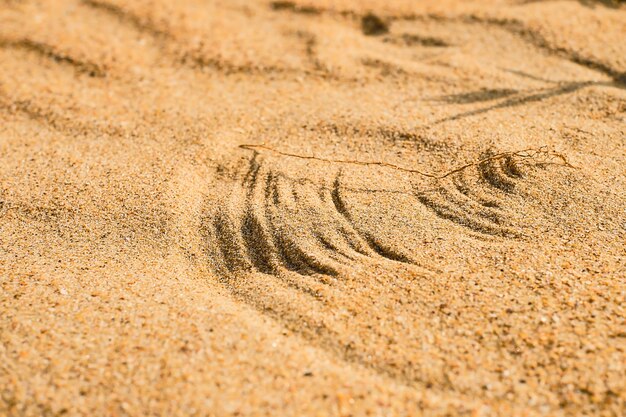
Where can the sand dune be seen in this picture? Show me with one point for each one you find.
(312, 208)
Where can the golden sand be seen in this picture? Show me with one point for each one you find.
(325, 208)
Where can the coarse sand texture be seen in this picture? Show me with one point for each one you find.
(312, 208)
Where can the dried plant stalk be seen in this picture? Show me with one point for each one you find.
(542, 154)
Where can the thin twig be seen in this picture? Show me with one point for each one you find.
(531, 153)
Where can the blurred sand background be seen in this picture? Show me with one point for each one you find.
(151, 265)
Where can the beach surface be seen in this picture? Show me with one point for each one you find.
(312, 208)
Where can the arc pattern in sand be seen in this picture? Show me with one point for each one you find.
(274, 223)
(480, 198)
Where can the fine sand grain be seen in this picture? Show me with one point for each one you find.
(325, 208)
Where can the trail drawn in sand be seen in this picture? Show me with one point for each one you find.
(273, 222)
(291, 225)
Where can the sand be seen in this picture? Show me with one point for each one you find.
(324, 208)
